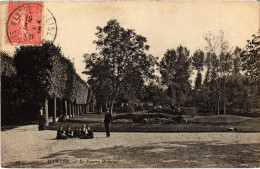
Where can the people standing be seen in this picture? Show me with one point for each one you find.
(107, 121)
(41, 119)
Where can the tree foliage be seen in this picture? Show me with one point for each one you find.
(122, 54)
(9, 81)
(44, 72)
(197, 61)
(251, 58)
(175, 71)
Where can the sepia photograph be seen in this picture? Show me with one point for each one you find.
(130, 84)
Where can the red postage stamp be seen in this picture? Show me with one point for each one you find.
(24, 23)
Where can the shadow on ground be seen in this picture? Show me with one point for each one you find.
(10, 127)
(166, 154)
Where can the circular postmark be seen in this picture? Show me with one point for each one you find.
(30, 24)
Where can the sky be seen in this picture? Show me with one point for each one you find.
(166, 25)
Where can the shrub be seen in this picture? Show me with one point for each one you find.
(147, 118)
(123, 121)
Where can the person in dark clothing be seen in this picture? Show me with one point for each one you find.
(41, 119)
(61, 134)
(69, 133)
(108, 119)
(88, 134)
(76, 132)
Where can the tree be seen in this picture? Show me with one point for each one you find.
(99, 71)
(219, 65)
(124, 54)
(9, 84)
(197, 61)
(175, 71)
(251, 59)
(250, 64)
(236, 61)
(33, 64)
(155, 94)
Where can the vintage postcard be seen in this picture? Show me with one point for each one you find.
(130, 84)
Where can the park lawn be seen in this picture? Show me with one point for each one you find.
(191, 124)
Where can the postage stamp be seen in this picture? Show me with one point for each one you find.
(28, 24)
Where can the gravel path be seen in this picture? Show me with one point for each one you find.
(25, 146)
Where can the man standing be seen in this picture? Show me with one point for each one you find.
(107, 120)
(41, 118)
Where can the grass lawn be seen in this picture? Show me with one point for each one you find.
(192, 124)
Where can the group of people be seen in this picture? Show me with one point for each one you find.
(83, 133)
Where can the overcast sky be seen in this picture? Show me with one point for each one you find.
(165, 24)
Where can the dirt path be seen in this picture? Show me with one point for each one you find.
(27, 147)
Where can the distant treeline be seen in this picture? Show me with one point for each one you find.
(122, 72)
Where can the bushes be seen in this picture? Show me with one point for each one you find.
(166, 110)
(148, 118)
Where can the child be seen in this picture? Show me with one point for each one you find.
(61, 134)
(88, 134)
(69, 133)
(76, 132)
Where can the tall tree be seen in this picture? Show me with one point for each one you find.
(175, 71)
(197, 61)
(251, 65)
(218, 64)
(99, 71)
(124, 52)
(251, 59)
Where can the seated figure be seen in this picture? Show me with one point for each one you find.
(69, 133)
(76, 132)
(88, 134)
(61, 135)
(83, 129)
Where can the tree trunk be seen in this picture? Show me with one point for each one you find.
(69, 109)
(225, 97)
(66, 111)
(111, 106)
(93, 107)
(113, 98)
(77, 109)
(100, 109)
(54, 110)
(87, 108)
(84, 108)
(72, 109)
(218, 96)
(46, 112)
(81, 109)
